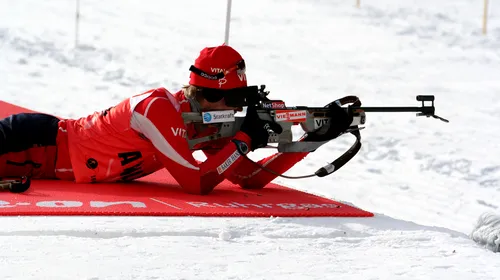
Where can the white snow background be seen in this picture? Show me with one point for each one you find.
(428, 182)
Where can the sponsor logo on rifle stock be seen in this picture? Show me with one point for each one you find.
(218, 116)
(319, 122)
(291, 116)
(274, 104)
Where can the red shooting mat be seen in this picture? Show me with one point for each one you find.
(159, 195)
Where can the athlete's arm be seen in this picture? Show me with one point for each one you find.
(158, 119)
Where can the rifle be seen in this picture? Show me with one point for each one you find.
(309, 118)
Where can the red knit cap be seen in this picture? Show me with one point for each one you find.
(213, 60)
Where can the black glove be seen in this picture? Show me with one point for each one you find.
(258, 130)
(340, 120)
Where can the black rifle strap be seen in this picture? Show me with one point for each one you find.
(325, 170)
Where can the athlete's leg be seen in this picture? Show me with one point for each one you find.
(28, 145)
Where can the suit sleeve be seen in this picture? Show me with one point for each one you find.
(159, 121)
(250, 176)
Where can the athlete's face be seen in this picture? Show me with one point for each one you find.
(218, 106)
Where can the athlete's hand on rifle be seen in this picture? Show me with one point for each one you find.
(258, 130)
(340, 120)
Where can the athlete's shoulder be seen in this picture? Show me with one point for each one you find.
(153, 96)
(156, 92)
(157, 99)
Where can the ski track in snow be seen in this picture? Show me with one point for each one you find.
(267, 243)
(427, 182)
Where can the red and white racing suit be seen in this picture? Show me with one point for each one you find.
(145, 133)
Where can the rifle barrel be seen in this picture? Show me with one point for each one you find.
(426, 110)
(371, 109)
(393, 109)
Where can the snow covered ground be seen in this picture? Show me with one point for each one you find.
(427, 181)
